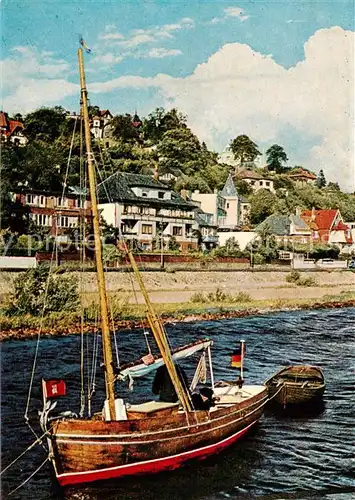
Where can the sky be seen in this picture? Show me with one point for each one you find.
(281, 72)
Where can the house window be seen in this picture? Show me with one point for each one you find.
(147, 229)
(145, 194)
(267, 183)
(42, 201)
(30, 199)
(227, 205)
(177, 231)
(252, 183)
(160, 195)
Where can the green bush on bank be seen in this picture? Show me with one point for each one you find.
(296, 278)
(37, 292)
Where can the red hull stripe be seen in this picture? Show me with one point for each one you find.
(150, 466)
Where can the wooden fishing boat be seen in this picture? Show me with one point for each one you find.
(131, 439)
(295, 385)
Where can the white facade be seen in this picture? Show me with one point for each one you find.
(212, 203)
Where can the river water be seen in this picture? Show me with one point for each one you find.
(286, 456)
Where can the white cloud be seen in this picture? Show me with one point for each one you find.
(161, 52)
(31, 79)
(111, 36)
(236, 12)
(239, 91)
(136, 40)
(139, 37)
(106, 59)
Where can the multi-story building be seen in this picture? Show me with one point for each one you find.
(212, 203)
(328, 226)
(255, 180)
(52, 212)
(12, 131)
(146, 210)
(302, 177)
(100, 124)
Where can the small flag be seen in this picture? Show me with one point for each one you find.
(148, 359)
(84, 45)
(54, 388)
(238, 355)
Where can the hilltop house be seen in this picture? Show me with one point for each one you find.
(255, 180)
(12, 131)
(302, 177)
(144, 209)
(327, 226)
(100, 124)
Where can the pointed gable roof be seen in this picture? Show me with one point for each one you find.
(229, 188)
(323, 218)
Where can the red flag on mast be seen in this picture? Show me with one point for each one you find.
(54, 388)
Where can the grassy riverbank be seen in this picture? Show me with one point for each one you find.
(132, 315)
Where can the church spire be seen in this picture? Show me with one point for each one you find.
(229, 188)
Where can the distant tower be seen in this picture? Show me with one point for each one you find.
(230, 194)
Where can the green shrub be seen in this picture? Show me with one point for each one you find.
(307, 281)
(197, 297)
(258, 259)
(242, 297)
(293, 277)
(36, 291)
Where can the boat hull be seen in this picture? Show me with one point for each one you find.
(296, 385)
(87, 450)
(296, 395)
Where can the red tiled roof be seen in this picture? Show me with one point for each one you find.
(3, 121)
(248, 174)
(323, 218)
(14, 125)
(341, 227)
(136, 124)
(103, 112)
(9, 125)
(304, 174)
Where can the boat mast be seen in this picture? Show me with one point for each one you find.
(106, 337)
(161, 339)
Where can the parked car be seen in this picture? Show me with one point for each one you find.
(352, 264)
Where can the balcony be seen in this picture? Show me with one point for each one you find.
(210, 239)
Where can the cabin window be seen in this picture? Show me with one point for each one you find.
(147, 229)
(177, 231)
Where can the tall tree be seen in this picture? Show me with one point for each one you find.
(161, 121)
(45, 124)
(244, 149)
(122, 128)
(276, 158)
(261, 205)
(321, 182)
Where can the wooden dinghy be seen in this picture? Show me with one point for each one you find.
(295, 385)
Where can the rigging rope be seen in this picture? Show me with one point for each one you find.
(30, 477)
(47, 287)
(37, 441)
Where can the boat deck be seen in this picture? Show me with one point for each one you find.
(227, 395)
